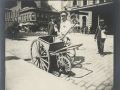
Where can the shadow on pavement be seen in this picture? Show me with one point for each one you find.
(78, 69)
(108, 53)
(28, 59)
(80, 58)
(11, 58)
(77, 62)
(21, 39)
(18, 37)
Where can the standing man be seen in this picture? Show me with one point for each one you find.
(52, 27)
(100, 35)
(65, 26)
(75, 22)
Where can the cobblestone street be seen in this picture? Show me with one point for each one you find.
(92, 71)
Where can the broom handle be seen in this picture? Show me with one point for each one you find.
(68, 31)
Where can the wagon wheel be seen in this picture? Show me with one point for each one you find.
(40, 56)
(64, 63)
(71, 53)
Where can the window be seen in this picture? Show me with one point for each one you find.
(84, 21)
(33, 16)
(23, 17)
(84, 2)
(74, 2)
(37, 15)
(26, 17)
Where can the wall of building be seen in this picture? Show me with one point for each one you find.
(29, 16)
(8, 20)
(91, 18)
(88, 20)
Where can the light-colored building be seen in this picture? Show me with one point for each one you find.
(88, 12)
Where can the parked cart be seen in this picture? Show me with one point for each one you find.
(52, 56)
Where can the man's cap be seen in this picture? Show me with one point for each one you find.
(64, 13)
(73, 15)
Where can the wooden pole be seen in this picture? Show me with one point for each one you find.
(98, 21)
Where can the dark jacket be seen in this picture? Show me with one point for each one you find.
(98, 32)
(51, 30)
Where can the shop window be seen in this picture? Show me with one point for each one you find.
(84, 2)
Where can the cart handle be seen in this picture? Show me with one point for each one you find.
(68, 47)
(68, 31)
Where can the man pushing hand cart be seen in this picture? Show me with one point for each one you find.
(50, 55)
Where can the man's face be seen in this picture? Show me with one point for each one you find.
(52, 20)
(63, 17)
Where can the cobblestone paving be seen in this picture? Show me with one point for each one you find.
(96, 72)
(99, 69)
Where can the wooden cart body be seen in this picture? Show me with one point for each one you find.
(55, 57)
(51, 46)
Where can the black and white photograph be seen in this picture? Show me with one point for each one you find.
(59, 44)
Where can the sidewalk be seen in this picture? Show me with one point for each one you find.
(21, 75)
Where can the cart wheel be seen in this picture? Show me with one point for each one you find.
(71, 53)
(64, 63)
(39, 55)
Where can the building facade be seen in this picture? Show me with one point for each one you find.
(89, 12)
(30, 13)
